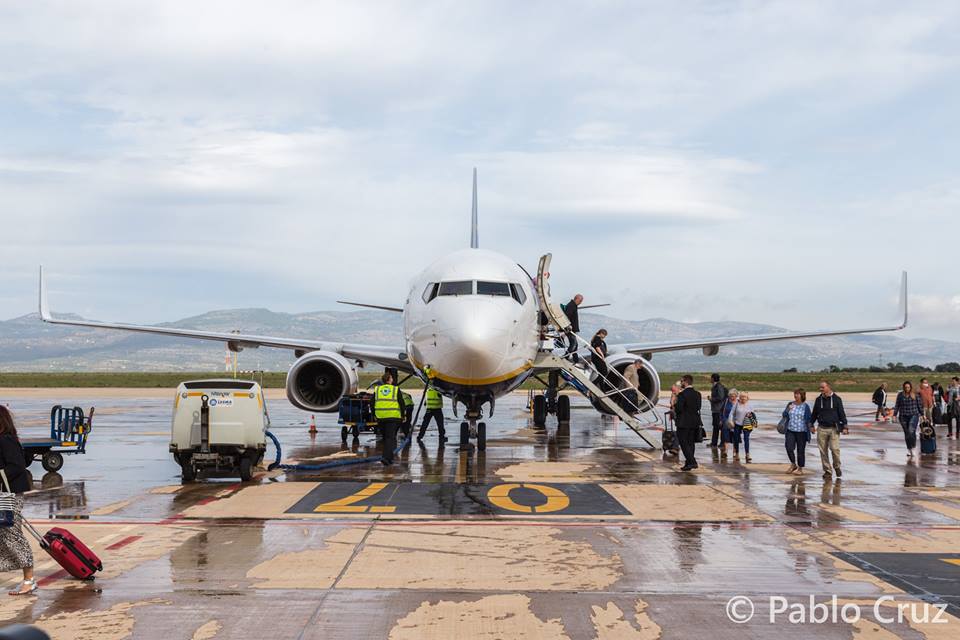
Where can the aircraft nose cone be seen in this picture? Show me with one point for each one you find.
(473, 351)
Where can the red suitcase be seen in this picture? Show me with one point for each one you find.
(69, 551)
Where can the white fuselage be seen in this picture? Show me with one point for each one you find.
(470, 323)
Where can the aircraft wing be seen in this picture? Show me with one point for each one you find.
(712, 346)
(387, 356)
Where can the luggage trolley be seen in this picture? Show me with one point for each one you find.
(356, 415)
(69, 429)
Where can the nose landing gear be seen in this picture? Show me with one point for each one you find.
(473, 428)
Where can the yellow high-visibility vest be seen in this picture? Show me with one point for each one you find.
(386, 404)
(434, 399)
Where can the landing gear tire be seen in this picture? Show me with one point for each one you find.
(246, 469)
(355, 431)
(464, 436)
(539, 411)
(343, 435)
(482, 436)
(52, 461)
(187, 472)
(563, 409)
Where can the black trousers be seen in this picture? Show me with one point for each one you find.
(388, 430)
(796, 441)
(881, 409)
(688, 443)
(436, 414)
(715, 434)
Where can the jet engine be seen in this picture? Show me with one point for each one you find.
(649, 378)
(317, 381)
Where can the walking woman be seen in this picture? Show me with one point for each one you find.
(726, 421)
(908, 410)
(598, 355)
(15, 551)
(742, 425)
(799, 428)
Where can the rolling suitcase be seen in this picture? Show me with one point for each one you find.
(68, 550)
(928, 439)
(669, 442)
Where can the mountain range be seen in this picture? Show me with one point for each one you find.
(27, 344)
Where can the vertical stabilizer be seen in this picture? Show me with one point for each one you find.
(474, 238)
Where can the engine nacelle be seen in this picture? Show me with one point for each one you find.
(317, 381)
(648, 376)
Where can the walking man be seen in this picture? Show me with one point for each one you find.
(689, 422)
(880, 399)
(573, 315)
(718, 395)
(828, 412)
(388, 407)
(953, 406)
(434, 412)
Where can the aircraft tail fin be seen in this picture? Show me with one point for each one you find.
(474, 237)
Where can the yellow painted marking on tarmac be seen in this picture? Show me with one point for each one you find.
(499, 496)
(388, 509)
(346, 505)
(955, 561)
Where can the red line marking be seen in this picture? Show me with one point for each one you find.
(122, 543)
(53, 577)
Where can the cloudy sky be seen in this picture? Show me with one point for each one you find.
(776, 162)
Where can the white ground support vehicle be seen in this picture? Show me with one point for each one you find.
(219, 426)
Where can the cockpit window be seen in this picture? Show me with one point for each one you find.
(430, 292)
(517, 292)
(492, 288)
(456, 288)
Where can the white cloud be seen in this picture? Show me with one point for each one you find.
(323, 145)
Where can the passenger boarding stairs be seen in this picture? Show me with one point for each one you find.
(584, 375)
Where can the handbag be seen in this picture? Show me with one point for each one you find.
(8, 503)
(750, 422)
(784, 421)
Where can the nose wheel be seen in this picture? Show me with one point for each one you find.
(473, 429)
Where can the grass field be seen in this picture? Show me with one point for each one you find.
(748, 381)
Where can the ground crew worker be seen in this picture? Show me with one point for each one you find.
(435, 411)
(407, 414)
(388, 407)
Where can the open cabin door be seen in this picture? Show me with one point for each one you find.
(553, 311)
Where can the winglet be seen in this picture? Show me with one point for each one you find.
(474, 237)
(903, 299)
(44, 305)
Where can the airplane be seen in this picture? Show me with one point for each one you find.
(472, 330)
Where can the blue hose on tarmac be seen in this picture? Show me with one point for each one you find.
(326, 465)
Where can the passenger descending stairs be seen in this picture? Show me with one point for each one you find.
(584, 375)
(584, 378)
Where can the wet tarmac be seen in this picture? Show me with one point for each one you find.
(569, 532)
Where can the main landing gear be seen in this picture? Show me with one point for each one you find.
(551, 401)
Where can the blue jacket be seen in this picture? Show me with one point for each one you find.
(725, 412)
(807, 415)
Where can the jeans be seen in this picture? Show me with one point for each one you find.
(797, 440)
(909, 426)
(738, 433)
(881, 411)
